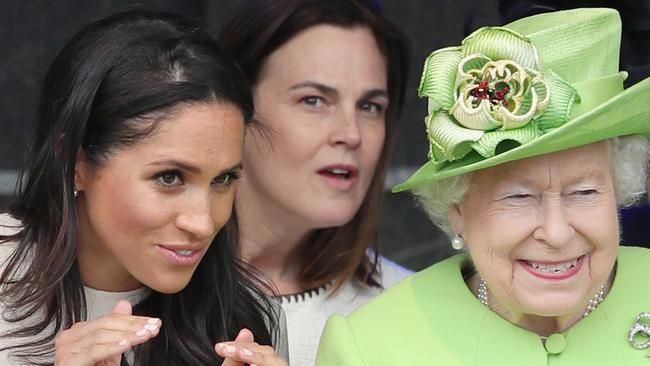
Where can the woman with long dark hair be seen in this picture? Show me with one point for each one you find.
(120, 240)
(328, 82)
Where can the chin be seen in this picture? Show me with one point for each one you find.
(332, 216)
(167, 285)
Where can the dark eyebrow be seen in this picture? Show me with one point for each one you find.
(191, 168)
(374, 93)
(327, 90)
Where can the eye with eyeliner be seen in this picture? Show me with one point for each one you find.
(372, 107)
(170, 178)
(227, 179)
(313, 101)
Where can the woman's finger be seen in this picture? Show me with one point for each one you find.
(106, 330)
(103, 346)
(236, 354)
(245, 335)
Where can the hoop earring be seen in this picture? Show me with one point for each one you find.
(457, 242)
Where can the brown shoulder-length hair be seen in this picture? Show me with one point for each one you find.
(253, 31)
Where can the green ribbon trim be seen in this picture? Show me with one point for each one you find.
(500, 43)
(448, 140)
(495, 142)
(439, 77)
(559, 108)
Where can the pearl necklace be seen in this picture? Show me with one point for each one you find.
(591, 306)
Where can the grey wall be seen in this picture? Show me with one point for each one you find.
(32, 32)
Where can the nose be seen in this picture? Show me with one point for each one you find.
(555, 227)
(346, 130)
(197, 218)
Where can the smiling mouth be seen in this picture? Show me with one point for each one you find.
(553, 268)
(182, 257)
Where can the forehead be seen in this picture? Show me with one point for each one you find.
(568, 166)
(328, 52)
(207, 133)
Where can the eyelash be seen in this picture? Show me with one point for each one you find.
(317, 101)
(312, 100)
(585, 192)
(224, 180)
(229, 178)
(162, 175)
(378, 107)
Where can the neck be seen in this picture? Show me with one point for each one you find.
(544, 326)
(270, 241)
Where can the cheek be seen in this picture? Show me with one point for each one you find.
(129, 208)
(493, 240)
(372, 144)
(222, 209)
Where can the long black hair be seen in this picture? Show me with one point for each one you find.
(107, 89)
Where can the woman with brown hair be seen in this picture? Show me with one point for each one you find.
(328, 82)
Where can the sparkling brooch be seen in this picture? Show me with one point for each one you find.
(640, 331)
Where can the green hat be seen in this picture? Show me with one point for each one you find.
(541, 84)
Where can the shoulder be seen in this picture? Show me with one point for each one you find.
(368, 336)
(634, 255)
(391, 272)
(8, 226)
(418, 284)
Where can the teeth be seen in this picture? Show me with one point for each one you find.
(339, 171)
(184, 252)
(554, 268)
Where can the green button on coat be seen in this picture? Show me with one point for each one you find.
(555, 344)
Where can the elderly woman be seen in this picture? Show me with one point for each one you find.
(530, 156)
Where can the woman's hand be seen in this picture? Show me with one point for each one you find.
(102, 341)
(244, 350)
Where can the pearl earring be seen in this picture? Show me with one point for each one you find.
(75, 193)
(457, 242)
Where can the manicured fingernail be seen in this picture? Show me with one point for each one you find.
(230, 349)
(141, 332)
(153, 321)
(248, 352)
(123, 342)
(150, 327)
(253, 364)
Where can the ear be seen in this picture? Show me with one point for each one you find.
(81, 171)
(456, 218)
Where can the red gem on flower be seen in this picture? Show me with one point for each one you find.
(481, 91)
(501, 94)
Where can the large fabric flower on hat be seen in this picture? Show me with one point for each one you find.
(490, 94)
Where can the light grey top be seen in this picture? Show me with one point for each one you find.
(99, 303)
(307, 311)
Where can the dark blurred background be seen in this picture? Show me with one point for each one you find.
(32, 32)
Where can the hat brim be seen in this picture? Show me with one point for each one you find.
(628, 113)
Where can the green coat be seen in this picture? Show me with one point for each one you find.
(432, 318)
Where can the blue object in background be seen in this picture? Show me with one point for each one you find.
(635, 225)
